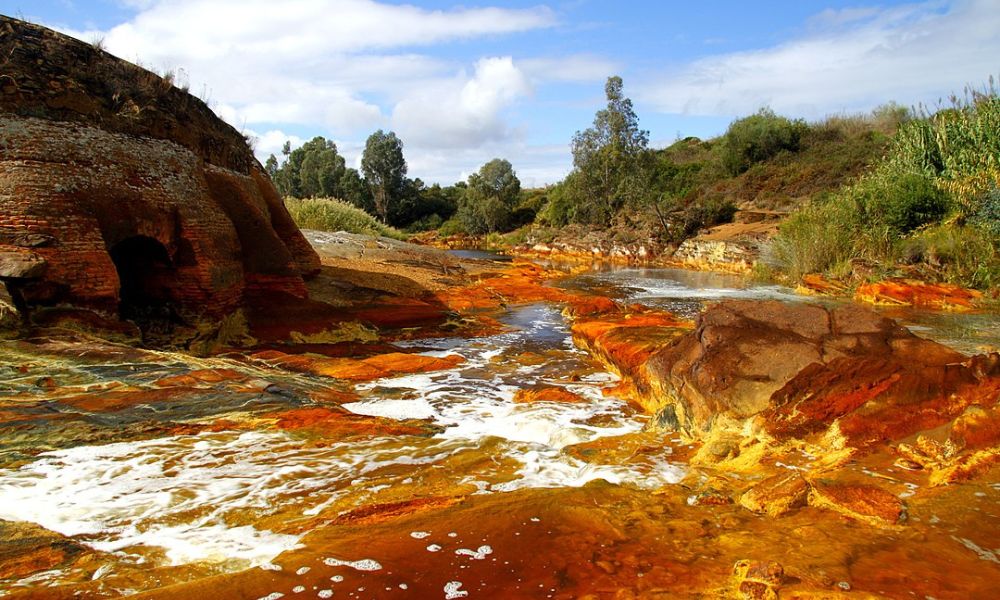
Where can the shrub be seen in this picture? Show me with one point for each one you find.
(757, 138)
(963, 255)
(330, 214)
(816, 239)
(707, 212)
(899, 203)
(987, 215)
(453, 226)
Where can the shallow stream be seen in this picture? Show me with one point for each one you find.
(222, 501)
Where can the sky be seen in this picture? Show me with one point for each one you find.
(462, 83)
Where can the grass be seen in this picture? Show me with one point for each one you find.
(330, 214)
(930, 207)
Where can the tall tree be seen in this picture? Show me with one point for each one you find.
(608, 157)
(312, 170)
(385, 170)
(490, 198)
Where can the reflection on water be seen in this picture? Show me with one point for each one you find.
(686, 293)
(480, 255)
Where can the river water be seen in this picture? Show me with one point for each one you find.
(222, 501)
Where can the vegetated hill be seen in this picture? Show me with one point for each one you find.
(49, 75)
(930, 208)
(831, 154)
(692, 185)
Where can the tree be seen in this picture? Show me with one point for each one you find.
(490, 198)
(312, 170)
(271, 166)
(385, 170)
(353, 189)
(608, 158)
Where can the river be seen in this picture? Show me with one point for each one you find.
(283, 505)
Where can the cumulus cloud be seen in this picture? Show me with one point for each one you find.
(464, 110)
(848, 60)
(327, 63)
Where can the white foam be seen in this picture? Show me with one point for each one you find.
(365, 564)
(393, 409)
(478, 554)
(453, 590)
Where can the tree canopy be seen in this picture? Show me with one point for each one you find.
(384, 169)
(607, 158)
(490, 199)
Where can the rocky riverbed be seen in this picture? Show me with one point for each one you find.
(492, 428)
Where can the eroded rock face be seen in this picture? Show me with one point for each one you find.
(747, 358)
(759, 378)
(118, 188)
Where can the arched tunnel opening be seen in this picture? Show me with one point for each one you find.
(147, 277)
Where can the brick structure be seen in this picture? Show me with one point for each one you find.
(116, 188)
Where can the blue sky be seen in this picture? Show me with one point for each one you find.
(463, 83)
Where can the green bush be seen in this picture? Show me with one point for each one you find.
(987, 215)
(756, 138)
(453, 226)
(964, 255)
(329, 214)
(819, 238)
(707, 212)
(899, 203)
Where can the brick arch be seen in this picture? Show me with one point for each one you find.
(147, 278)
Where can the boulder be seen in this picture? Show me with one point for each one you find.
(18, 263)
(802, 367)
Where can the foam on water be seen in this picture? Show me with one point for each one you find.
(184, 493)
(199, 497)
(473, 408)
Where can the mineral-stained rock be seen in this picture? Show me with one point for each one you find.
(757, 580)
(867, 503)
(777, 495)
(547, 394)
(756, 376)
(118, 188)
(909, 292)
(26, 548)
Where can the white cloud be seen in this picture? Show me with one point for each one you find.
(578, 68)
(849, 60)
(304, 62)
(465, 110)
(271, 142)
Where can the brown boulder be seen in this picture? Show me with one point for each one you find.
(804, 367)
(777, 495)
(867, 503)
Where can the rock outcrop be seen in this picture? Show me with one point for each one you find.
(121, 193)
(755, 375)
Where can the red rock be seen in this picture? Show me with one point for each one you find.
(338, 423)
(166, 204)
(367, 369)
(776, 495)
(909, 292)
